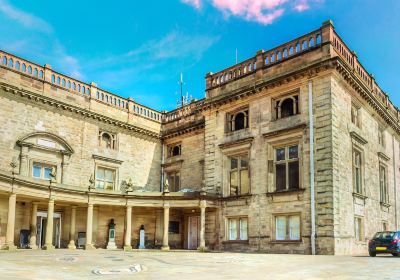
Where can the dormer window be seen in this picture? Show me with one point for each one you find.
(107, 140)
(174, 150)
(238, 120)
(287, 106)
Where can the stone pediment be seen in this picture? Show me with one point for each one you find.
(46, 141)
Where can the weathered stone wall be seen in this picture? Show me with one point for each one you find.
(348, 205)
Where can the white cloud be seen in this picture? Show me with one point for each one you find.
(27, 20)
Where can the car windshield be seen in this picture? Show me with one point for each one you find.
(384, 235)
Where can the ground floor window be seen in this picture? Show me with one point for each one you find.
(105, 178)
(358, 228)
(237, 228)
(42, 171)
(287, 227)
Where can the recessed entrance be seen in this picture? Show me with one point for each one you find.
(41, 229)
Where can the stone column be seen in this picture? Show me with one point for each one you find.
(48, 243)
(127, 243)
(9, 245)
(165, 245)
(33, 227)
(202, 246)
(71, 244)
(89, 227)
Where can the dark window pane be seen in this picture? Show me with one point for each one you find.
(287, 108)
(239, 121)
(280, 154)
(280, 177)
(293, 152)
(244, 162)
(234, 163)
(176, 150)
(294, 175)
(173, 227)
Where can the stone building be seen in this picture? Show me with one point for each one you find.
(295, 150)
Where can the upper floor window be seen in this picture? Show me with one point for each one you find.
(383, 184)
(239, 175)
(105, 178)
(357, 171)
(287, 175)
(287, 106)
(107, 140)
(174, 181)
(381, 137)
(237, 228)
(355, 116)
(174, 150)
(43, 171)
(238, 120)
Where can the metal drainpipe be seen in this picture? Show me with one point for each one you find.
(395, 185)
(162, 166)
(312, 186)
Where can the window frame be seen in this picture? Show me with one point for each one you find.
(238, 171)
(383, 184)
(381, 137)
(231, 116)
(277, 103)
(286, 162)
(174, 173)
(114, 182)
(360, 235)
(287, 217)
(43, 166)
(355, 115)
(238, 220)
(357, 190)
(170, 150)
(113, 139)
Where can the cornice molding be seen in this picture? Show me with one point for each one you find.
(75, 109)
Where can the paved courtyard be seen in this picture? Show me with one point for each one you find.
(102, 264)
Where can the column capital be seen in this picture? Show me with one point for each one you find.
(203, 204)
(166, 206)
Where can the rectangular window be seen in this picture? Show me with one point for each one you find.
(239, 175)
(358, 229)
(237, 229)
(357, 171)
(174, 180)
(287, 227)
(287, 175)
(42, 171)
(383, 184)
(355, 115)
(105, 178)
(173, 227)
(381, 137)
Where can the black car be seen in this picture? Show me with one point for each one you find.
(385, 242)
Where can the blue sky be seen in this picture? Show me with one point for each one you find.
(139, 48)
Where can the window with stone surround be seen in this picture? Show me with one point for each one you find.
(42, 171)
(355, 115)
(357, 171)
(384, 196)
(287, 174)
(287, 227)
(107, 140)
(238, 120)
(174, 150)
(286, 106)
(358, 228)
(384, 226)
(174, 181)
(105, 178)
(237, 228)
(239, 181)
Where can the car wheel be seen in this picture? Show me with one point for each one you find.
(395, 254)
(372, 254)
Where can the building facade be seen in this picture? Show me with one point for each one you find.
(295, 150)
